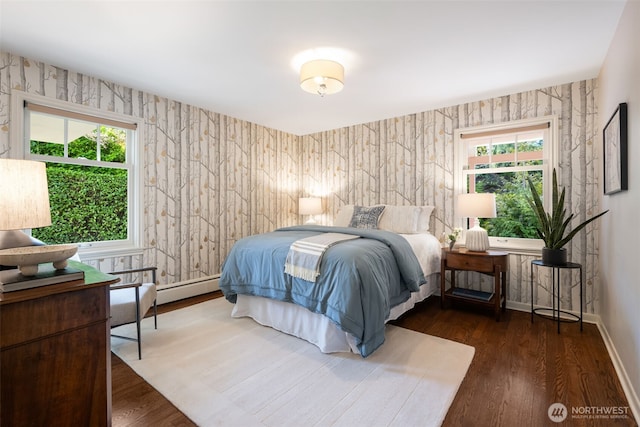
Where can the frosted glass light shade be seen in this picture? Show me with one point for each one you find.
(322, 77)
(24, 195)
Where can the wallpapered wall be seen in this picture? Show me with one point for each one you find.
(410, 160)
(210, 179)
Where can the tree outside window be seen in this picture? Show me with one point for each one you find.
(88, 179)
(499, 162)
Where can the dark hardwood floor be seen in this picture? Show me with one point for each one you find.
(518, 371)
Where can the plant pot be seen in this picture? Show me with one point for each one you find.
(554, 256)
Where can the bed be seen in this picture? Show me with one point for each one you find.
(364, 282)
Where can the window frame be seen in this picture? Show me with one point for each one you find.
(20, 149)
(550, 156)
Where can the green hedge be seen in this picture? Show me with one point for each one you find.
(85, 206)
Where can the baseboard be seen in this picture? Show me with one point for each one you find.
(632, 397)
(187, 289)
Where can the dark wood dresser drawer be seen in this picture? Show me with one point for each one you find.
(40, 317)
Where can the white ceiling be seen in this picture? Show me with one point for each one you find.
(237, 57)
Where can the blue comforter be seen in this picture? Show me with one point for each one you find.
(360, 279)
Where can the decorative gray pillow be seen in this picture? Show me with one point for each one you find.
(366, 217)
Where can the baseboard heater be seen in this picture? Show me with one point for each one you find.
(187, 288)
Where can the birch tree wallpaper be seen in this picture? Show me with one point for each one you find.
(410, 160)
(210, 179)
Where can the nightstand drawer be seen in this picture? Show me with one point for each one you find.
(461, 261)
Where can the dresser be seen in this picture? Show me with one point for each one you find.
(55, 362)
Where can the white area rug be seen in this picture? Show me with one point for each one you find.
(222, 371)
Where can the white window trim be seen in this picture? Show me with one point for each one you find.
(17, 150)
(513, 245)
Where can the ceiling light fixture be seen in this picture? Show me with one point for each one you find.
(322, 77)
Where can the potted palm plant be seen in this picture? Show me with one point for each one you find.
(552, 227)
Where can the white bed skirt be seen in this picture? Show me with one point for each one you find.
(313, 327)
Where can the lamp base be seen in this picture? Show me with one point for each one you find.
(477, 239)
(27, 258)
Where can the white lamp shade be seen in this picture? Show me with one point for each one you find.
(310, 206)
(322, 77)
(477, 205)
(24, 195)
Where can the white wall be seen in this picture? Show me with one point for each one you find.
(620, 233)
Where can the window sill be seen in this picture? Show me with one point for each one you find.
(529, 247)
(518, 251)
(92, 253)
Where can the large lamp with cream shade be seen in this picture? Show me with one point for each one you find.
(24, 204)
(474, 206)
(310, 206)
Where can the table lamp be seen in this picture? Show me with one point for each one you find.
(310, 206)
(473, 206)
(24, 204)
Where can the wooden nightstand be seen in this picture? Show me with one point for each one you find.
(493, 263)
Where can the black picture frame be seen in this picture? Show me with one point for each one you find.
(614, 137)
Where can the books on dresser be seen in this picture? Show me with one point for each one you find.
(13, 280)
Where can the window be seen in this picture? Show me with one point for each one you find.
(92, 171)
(499, 160)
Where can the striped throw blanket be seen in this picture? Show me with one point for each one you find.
(303, 259)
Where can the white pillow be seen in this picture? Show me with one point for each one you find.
(399, 219)
(343, 218)
(424, 218)
(406, 219)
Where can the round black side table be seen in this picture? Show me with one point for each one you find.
(555, 293)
